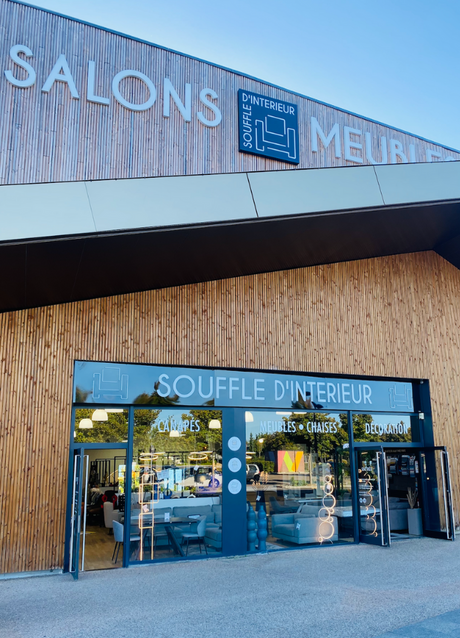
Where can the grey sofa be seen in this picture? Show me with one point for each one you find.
(213, 537)
(304, 527)
(288, 507)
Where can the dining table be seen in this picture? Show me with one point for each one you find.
(167, 524)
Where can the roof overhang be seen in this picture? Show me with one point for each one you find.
(65, 242)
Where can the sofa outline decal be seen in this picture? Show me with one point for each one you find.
(110, 383)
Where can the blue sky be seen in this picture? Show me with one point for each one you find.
(395, 61)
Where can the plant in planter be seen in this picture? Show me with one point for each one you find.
(412, 497)
(414, 514)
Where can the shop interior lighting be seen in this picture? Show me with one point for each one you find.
(114, 409)
(85, 424)
(248, 417)
(174, 433)
(193, 456)
(150, 455)
(100, 415)
(214, 424)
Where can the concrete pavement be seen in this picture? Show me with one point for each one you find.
(335, 592)
(437, 627)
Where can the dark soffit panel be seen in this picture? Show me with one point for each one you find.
(50, 271)
(450, 249)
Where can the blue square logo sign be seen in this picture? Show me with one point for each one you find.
(268, 127)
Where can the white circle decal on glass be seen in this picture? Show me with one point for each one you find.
(234, 487)
(234, 443)
(234, 465)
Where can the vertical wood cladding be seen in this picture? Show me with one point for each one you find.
(392, 316)
(52, 137)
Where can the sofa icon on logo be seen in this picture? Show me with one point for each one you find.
(272, 134)
(268, 127)
(401, 399)
(110, 384)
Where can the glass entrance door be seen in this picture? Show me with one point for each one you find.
(78, 514)
(438, 517)
(97, 509)
(372, 482)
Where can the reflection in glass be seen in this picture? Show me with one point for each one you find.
(108, 425)
(385, 428)
(176, 506)
(401, 471)
(369, 494)
(298, 471)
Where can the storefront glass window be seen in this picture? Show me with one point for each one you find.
(386, 428)
(176, 504)
(101, 425)
(298, 471)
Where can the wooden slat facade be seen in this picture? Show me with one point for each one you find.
(52, 137)
(392, 316)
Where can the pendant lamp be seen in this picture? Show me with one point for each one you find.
(85, 424)
(100, 415)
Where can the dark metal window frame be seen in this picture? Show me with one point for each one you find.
(233, 421)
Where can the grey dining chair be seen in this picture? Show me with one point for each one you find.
(118, 532)
(197, 536)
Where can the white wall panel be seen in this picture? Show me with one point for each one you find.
(43, 210)
(170, 201)
(291, 193)
(419, 182)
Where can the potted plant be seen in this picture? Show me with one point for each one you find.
(414, 514)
